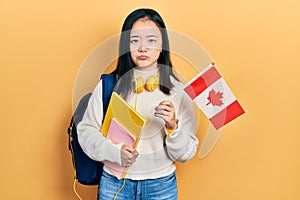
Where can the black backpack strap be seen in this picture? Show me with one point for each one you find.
(108, 84)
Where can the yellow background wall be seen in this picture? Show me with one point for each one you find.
(255, 44)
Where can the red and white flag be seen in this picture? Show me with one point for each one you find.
(214, 97)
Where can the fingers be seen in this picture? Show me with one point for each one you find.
(128, 155)
(166, 104)
(165, 110)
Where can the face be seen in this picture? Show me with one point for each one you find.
(145, 44)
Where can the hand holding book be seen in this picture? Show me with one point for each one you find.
(128, 155)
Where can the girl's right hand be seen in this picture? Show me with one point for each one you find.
(128, 155)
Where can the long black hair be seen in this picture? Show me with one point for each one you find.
(125, 63)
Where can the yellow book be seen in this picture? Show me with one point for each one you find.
(125, 114)
(121, 116)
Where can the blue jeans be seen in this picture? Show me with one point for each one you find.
(164, 188)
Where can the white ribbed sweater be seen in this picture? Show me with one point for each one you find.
(157, 151)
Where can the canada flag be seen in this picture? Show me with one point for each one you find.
(214, 97)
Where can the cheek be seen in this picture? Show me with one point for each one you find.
(132, 54)
(133, 57)
(156, 54)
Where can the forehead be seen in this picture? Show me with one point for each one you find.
(144, 27)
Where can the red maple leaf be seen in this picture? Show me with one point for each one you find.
(215, 98)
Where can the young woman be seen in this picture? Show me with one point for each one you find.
(147, 82)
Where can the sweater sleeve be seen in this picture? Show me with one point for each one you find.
(90, 137)
(182, 143)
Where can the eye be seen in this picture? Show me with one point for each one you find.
(134, 41)
(152, 40)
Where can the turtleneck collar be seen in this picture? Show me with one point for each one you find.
(144, 73)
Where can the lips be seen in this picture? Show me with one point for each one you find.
(142, 57)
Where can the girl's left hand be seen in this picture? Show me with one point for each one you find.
(166, 111)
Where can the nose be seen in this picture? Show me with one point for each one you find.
(143, 46)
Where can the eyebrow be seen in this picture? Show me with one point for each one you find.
(152, 36)
(136, 36)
